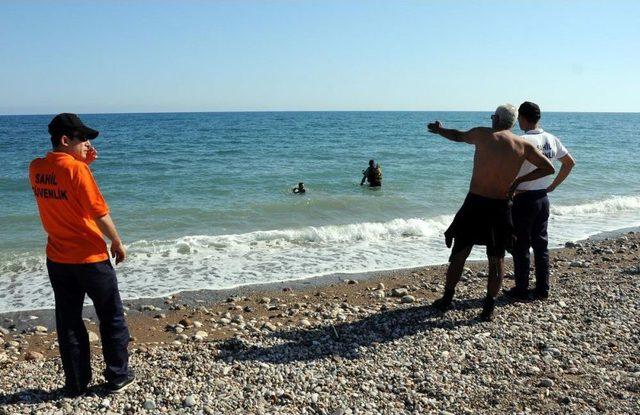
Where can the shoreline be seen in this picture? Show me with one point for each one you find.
(370, 345)
(192, 298)
(26, 319)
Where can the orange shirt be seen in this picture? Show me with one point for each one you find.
(69, 201)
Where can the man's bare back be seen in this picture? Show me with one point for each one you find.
(497, 160)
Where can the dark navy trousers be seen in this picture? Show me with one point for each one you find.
(530, 217)
(71, 282)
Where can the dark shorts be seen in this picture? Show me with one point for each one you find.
(482, 221)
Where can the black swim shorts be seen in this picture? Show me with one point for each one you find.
(482, 221)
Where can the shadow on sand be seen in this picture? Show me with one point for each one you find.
(36, 396)
(345, 340)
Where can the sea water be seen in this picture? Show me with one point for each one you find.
(203, 200)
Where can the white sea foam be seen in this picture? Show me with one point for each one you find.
(604, 207)
(368, 231)
(160, 267)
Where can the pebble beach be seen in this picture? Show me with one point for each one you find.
(365, 346)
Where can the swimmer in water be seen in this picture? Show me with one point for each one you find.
(300, 189)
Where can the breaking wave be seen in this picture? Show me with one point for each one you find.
(160, 267)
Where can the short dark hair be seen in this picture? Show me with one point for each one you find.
(371, 161)
(530, 111)
(57, 138)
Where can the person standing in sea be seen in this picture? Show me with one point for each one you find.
(75, 217)
(485, 216)
(373, 174)
(531, 207)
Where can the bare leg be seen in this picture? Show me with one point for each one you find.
(454, 272)
(496, 273)
(456, 266)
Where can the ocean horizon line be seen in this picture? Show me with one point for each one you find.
(304, 112)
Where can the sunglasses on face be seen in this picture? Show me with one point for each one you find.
(78, 137)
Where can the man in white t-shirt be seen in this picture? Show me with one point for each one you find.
(531, 206)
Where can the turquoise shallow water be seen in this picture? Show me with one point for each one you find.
(203, 199)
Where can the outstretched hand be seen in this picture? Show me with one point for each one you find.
(434, 127)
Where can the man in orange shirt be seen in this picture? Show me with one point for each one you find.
(75, 217)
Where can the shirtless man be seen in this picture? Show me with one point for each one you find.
(485, 216)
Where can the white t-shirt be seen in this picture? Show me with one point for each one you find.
(551, 147)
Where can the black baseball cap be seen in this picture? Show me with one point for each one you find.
(530, 111)
(67, 123)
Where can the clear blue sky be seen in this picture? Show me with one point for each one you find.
(140, 56)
